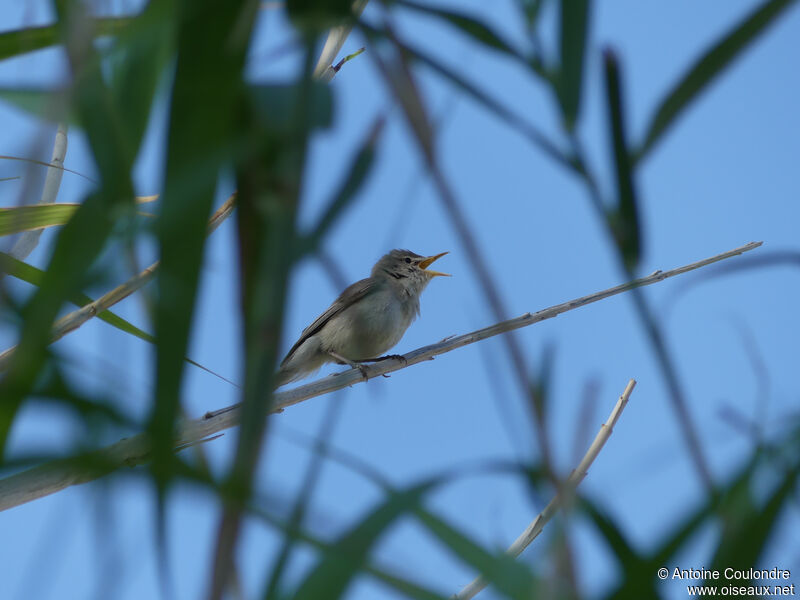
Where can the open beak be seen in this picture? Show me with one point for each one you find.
(425, 263)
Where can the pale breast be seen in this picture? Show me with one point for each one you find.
(371, 326)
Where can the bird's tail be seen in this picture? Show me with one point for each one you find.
(302, 361)
(285, 375)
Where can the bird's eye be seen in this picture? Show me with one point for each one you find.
(408, 260)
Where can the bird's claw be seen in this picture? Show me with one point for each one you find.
(399, 357)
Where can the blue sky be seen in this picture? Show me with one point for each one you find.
(723, 176)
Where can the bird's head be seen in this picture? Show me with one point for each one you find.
(408, 269)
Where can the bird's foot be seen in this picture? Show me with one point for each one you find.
(399, 357)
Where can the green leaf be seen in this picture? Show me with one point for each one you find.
(624, 221)
(20, 41)
(269, 183)
(211, 48)
(680, 535)
(746, 525)
(713, 62)
(639, 573)
(510, 576)
(349, 555)
(473, 28)
(30, 274)
(403, 585)
(138, 60)
(275, 106)
(612, 534)
(357, 174)
(515, 122)
(38, 102)
(541, 385)
(138, 57)
(212, 43)
(37, 216)
(530, 10)
(574, 17)
(83, 237)
(319, 14)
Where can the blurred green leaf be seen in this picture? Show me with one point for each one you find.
(510, 576)
(212, 40)
(518, 124)
(747, 525)
(405, 586)
(20, 41)
(402, 585)
(30, 274)
(77, 246)
(530, 10)
(541, 384)
(574, 20)
(703, 72)
(612, 533)
(349, 555)
(275, 106)
(39, 216)
(625, 220)
(319, 14)
(269, 181)
(36, 216)
(681, 534)
(396, 71)
(638, 571)
(83, 237)
(138, 59)
(356, 175)
(469, 26)
(38, 102)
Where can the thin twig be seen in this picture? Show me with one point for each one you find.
(572, 482)
(52, 477)
(41, 163)
(324, 71)
(76, 318)
(26, 243)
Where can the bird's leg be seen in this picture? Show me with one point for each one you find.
(346, 361)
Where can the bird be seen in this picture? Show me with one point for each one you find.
(367, 319)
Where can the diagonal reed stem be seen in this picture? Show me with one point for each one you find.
(56, 475)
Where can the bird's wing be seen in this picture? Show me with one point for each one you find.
(353, 293)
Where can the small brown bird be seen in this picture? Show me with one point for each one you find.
(366, 320)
